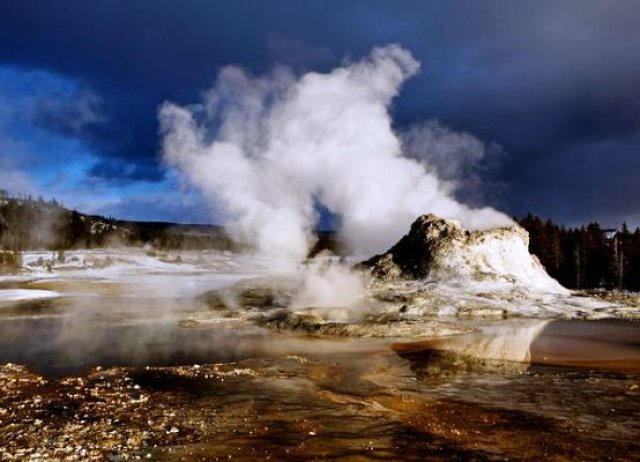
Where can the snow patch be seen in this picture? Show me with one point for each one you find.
(12, 295)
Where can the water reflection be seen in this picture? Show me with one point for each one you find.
(602, 345)
(609, 345)
(61, 337)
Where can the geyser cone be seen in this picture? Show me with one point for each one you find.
(440, 250)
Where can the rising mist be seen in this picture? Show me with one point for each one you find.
(266, 150)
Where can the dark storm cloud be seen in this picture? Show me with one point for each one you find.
(588, 180)
(552, 82)
(68, 116)
(118, 171)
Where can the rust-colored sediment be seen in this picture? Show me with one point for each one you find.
(290, 409)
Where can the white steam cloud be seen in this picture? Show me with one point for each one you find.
(458, 158)
(266, 150)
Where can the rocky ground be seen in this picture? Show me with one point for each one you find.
(626, 299)
(409, 309)
(297, 408)
(90, 417)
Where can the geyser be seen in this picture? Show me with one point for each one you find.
(440, 250)
(266, 150)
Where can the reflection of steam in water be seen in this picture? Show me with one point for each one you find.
(598, 345)
(501, 347)
(505, 342)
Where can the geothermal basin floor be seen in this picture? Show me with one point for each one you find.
(110, 370)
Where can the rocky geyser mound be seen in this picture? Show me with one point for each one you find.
(440, 250)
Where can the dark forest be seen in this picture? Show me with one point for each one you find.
(587, 257)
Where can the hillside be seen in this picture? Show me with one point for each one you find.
(34, 224)
(27, 224)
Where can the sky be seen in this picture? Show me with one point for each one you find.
(551, 86)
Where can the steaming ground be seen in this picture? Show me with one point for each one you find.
(205, 306)
(133, 353)
(324, 285)
(325, 297)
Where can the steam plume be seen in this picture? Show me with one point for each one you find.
(265, 150)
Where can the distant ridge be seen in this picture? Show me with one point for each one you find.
(36, 224)
(29, 224)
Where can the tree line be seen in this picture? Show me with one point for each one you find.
(37, 224)
(587, 257)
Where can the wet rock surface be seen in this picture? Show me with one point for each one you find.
(384, 325)
(89, 417)
(258, 294)
(344, 407)
(265, 302)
